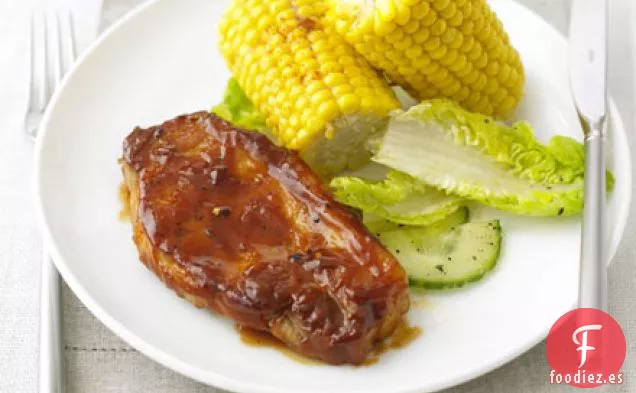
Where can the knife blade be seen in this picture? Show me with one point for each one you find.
(588, 76)
(588, 57)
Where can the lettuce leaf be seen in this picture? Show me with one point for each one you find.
(474, 157)
(239, 110)
(398, 198)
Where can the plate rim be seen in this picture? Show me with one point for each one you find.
(212, 378)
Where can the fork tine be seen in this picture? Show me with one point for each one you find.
(52, 50)
(59, 57)
(43, 77)
(67, 38)
(32, 93)
(71, 38)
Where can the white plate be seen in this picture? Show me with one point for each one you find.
(161, 61)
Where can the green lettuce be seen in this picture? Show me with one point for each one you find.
(474, 157)
(399, 198)
(239, 110)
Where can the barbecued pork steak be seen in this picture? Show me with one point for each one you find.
(236, 224)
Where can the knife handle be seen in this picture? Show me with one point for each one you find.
(593, 274)
(51, 377)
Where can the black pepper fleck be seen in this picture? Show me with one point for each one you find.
(561, 211)
(440, 268)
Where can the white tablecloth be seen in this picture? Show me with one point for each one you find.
(97, 361)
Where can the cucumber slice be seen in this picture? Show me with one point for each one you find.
(378, 225)
(443, 255)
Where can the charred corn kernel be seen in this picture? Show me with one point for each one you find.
(456, 48)
(310, 84)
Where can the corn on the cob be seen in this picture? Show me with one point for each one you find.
(456, 49)
(316, 92)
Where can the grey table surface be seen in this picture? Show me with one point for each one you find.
(97, 361)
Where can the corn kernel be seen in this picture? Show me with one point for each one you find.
(421, 36)
(472, 100)
(482, 62)
(328, 110)
(349, 103)
(403, 14)
(429, 19)
(450, 58)
(457, 19)
(432, 44)
(342, 89)
(404, 44)
(462, 94)
(412, 26)
(440, 5)
(468, 28)
(439, 53)
(382, 28)
(413, 52)
(471, 78)
(441, 74)
(499, 95)
(491, 88)
(439, 27)
(386, 9)
(335, 79)
(423, 61)
(449, 11)
(395, 36)
(420, 10)
(453, 88)
(367, 103)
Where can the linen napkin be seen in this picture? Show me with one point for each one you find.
(20, 241)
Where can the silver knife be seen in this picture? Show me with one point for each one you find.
(588, 76)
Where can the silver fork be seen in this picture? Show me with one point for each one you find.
(52, 52)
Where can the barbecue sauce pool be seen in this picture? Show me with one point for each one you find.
(255, 338)
(403, 335)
